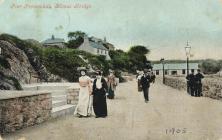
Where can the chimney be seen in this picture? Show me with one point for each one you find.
(53, 37)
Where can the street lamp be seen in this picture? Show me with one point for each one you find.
(187, 50)
(162, 61)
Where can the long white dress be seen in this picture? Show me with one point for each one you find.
(84, 106)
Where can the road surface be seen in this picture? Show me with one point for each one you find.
(170, 115)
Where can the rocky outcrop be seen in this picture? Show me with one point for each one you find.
(18, 63)
(21, 59)
(9, 83)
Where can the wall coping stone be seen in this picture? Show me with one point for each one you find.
(4, 95)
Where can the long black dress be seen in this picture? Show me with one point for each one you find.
(99, 99)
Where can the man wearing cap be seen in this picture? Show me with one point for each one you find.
(145, 82)
(198, 77)
(191, 83)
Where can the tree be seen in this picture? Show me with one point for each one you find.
(75, 35)
(211, 66)
(137, 57)
(139, 50)
(75, 39)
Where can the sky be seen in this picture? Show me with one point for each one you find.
(164, 26)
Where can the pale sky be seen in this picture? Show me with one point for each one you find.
(162, 25)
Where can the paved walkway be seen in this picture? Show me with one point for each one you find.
(130, 118)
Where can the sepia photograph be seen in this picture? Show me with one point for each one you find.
(110, 70)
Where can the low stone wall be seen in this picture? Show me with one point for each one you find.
(20, 109)
(212, 87)
(72, 95)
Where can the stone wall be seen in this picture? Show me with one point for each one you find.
(20, 109)
(212, 86)
(72, 95)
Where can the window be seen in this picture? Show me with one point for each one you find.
(166, 72)
(157, 72)
(183, 71)
(174, 72)
(105, 52)
(97, 50)
(192, 70)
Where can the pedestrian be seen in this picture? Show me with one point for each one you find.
(145, 82)
(139, 76)
(191, 83)
(199, 76)
(111, 81)
(83, 108)
(100, 89)
(153, 77)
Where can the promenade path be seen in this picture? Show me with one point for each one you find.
(130, 118)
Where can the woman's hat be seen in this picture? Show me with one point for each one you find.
(81, 69)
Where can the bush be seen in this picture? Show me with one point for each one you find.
(211, 66)
(63, 63)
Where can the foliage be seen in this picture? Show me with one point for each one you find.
(75, 39)
(117, 73)
(119, 60)
(75, 43)
(63, 62)
(75, 35)
(177, 61)
(211, 66)
(137, 58)
(142, 50)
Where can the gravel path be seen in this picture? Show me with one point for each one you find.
(170, 115)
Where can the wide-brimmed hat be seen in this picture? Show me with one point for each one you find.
(146, 70)
(81, 69)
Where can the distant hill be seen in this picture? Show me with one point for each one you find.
(177, 61)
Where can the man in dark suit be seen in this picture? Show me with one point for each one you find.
(191, 83)
(198, 77)
(145, 82)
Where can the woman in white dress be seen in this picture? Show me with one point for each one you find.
(83, 108)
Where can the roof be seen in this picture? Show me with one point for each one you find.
(175, 66)
(97, 45)
(53, 40)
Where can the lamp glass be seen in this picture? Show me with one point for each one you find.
(187, 49)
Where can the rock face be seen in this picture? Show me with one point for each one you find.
(18, 63)
(212, 86)
(19, 59)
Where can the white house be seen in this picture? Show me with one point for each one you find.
(94, 47)
(57, 42)
(174, 68)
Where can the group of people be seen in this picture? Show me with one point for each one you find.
(93, 94)
(144, 79)
(194, 83)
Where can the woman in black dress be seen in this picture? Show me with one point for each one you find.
(100, 89)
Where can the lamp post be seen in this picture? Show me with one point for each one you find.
(162, 61)
(187, 50)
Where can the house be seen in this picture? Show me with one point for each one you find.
(54, 42)
(106, 44)
(175, 68)
(95, 47)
